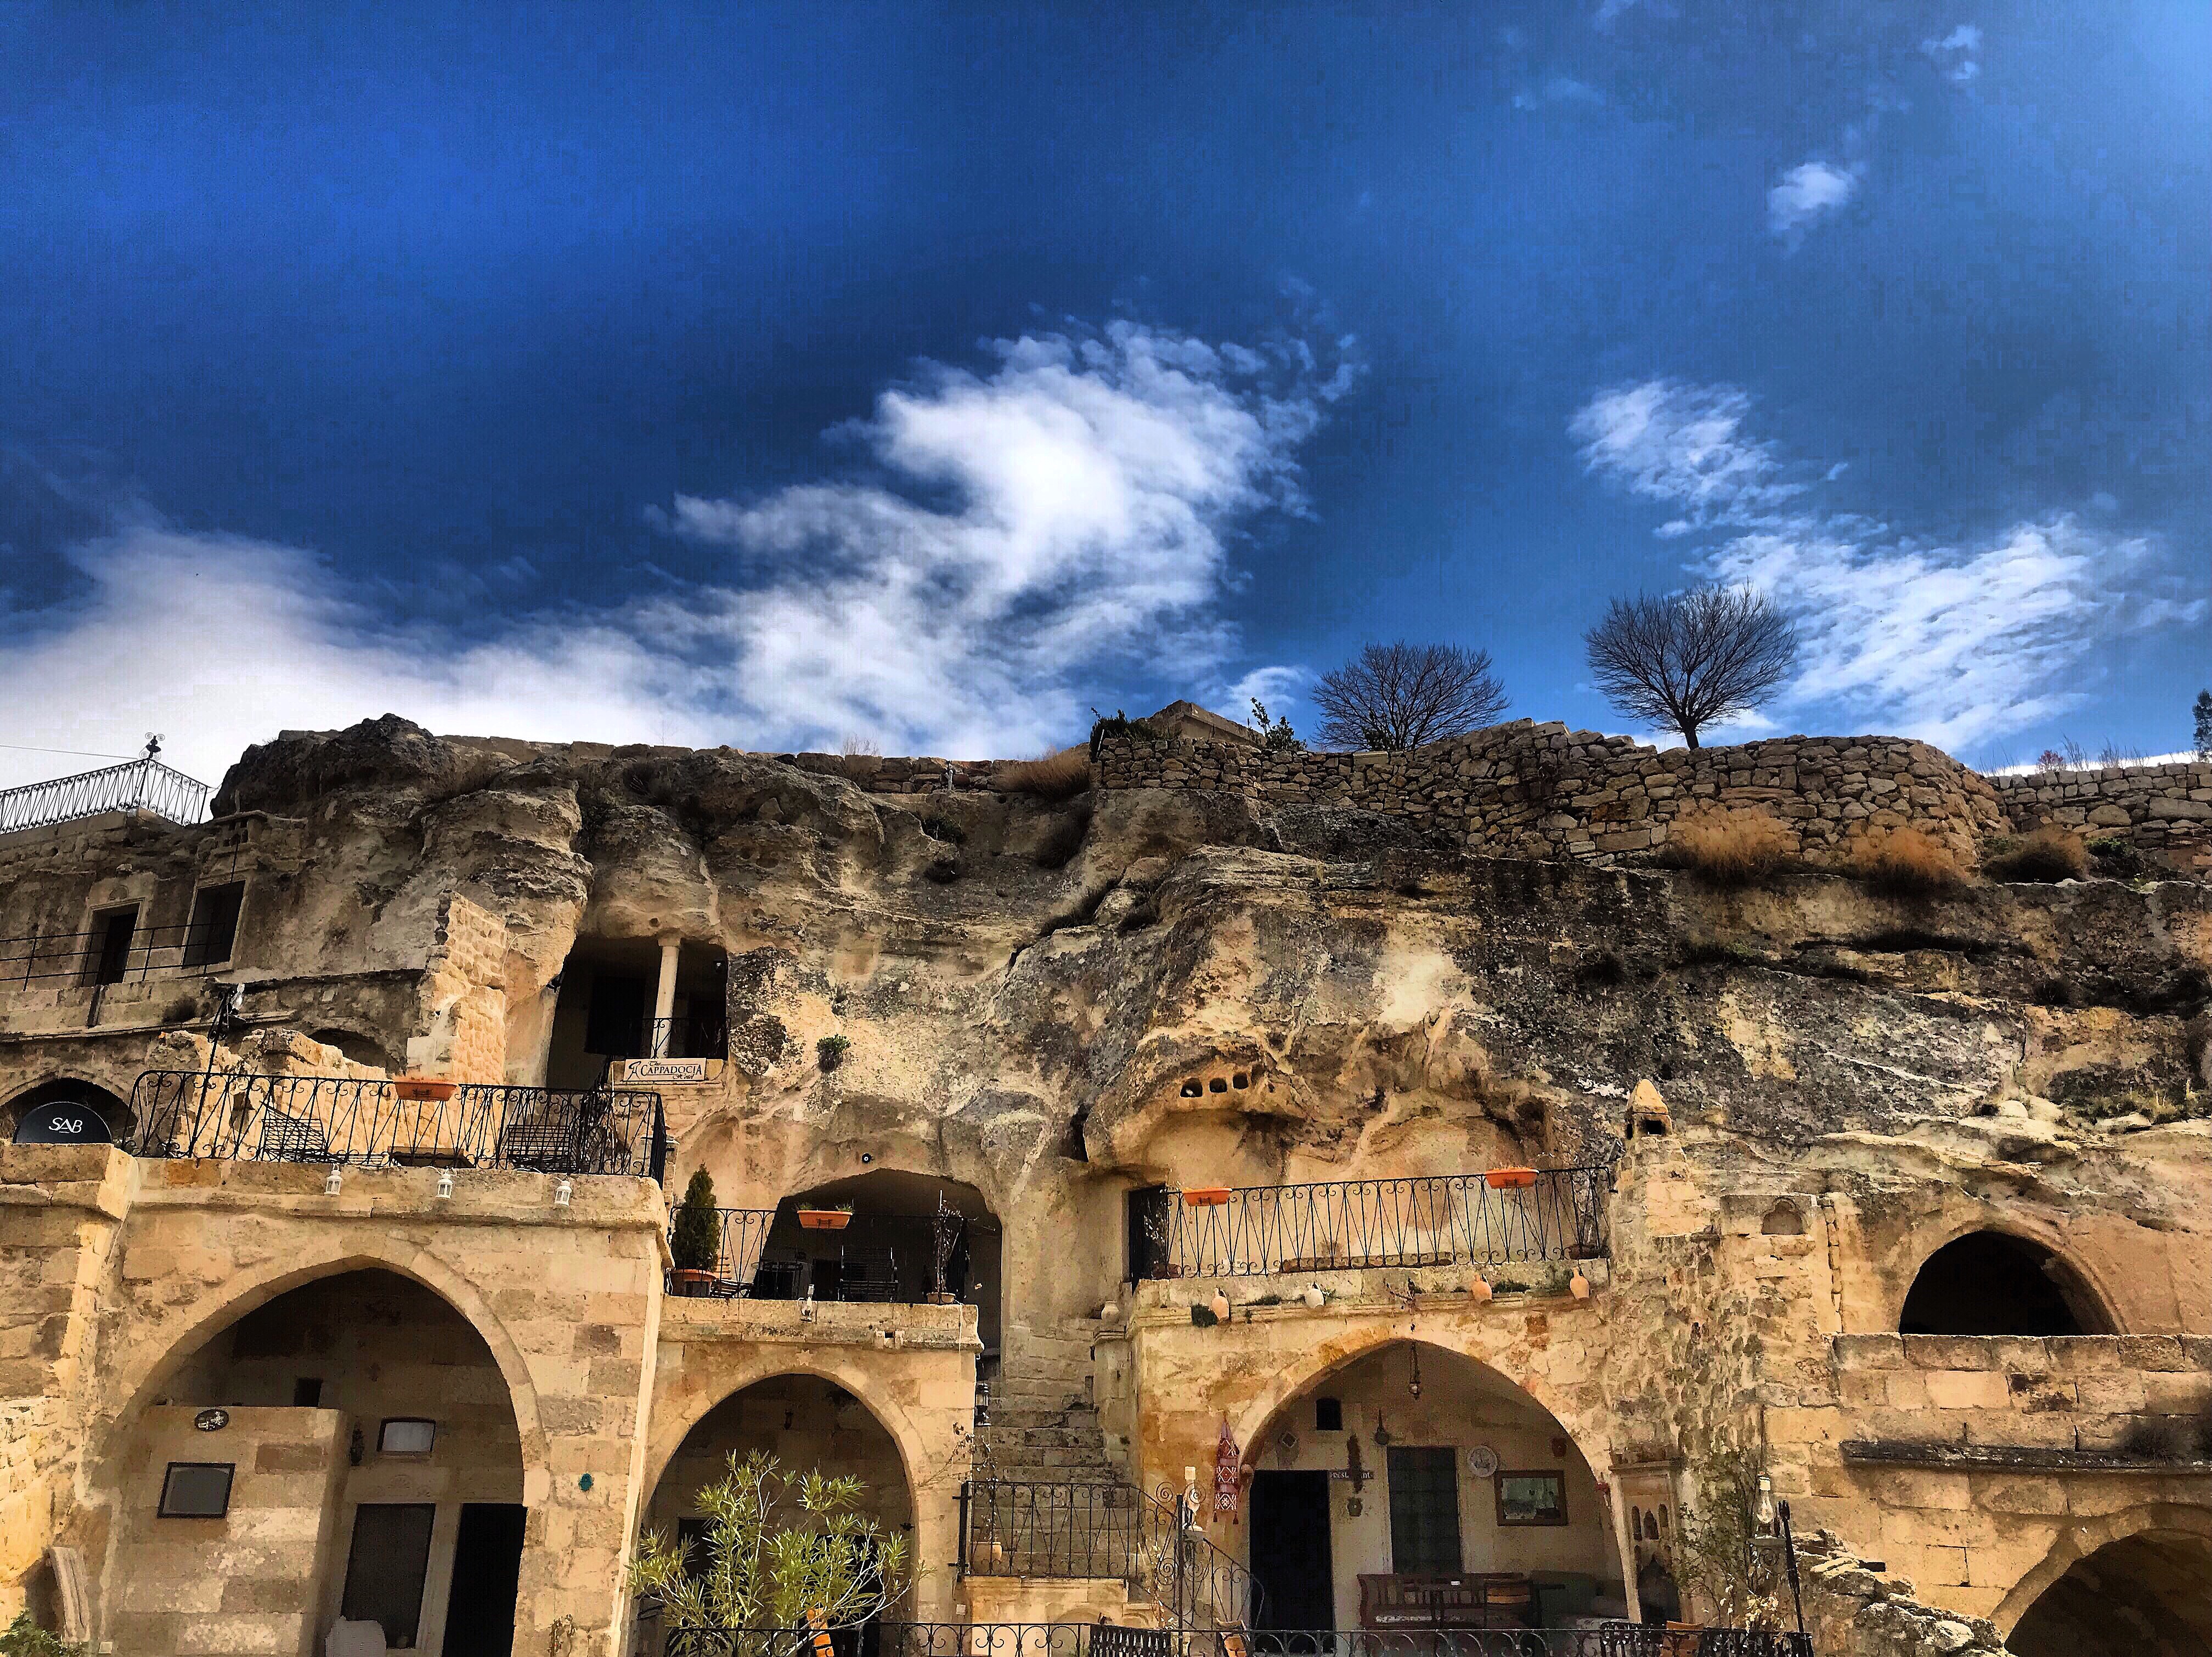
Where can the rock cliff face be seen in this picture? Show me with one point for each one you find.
(1225, 972)
(1178, 983)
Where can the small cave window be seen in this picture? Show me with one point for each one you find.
(1217, 1085)
(1192, 1089)
(1328, 1415)
(108, 950)
(213, 930)
(1240, 1080)
(1783, 1220)
(1990, 1282)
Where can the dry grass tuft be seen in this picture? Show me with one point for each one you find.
(1905, 862)
(1062, 776)
(1734, 847)
(2050, 853)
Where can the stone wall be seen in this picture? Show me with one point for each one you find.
(1544, 791)
(2165, 811)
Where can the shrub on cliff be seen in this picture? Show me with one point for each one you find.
(2050, 853)
(1061, 776)
(1905, 862)
(1734, 847)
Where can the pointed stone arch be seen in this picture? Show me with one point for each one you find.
(2082, 1542)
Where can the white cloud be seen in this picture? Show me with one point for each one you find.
(1808, 192)
(1277, 688)
(1954, 54)
(1562, 89)
(1684, 444)
(1954, 643)
(1063, 514)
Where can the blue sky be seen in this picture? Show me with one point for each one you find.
(928, 375)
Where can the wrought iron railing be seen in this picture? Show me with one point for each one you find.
(369, 1122)
(1546, 1214)
(1088, 1639)
(741, 1237)
(1034, 1528)
(696, 1036)
(144, 785)
(99, 957)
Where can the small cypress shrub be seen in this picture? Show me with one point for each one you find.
(697, 1242)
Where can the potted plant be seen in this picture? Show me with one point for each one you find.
(1509, 1178)
(696, 1240)
(1205, 1196)
(423, 1089)
(826, 1219)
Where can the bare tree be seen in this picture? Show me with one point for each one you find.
(1400, 695)
(1689, 658)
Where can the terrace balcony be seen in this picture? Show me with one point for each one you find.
(1513, 1228)
(370, 1122)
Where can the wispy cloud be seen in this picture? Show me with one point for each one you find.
(1561, 91)
(1067, 512)
(1956, 55)
(1807, 193)
(1957, 643)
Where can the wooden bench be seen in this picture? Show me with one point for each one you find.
(1475, 1599)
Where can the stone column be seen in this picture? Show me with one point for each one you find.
(664, 997)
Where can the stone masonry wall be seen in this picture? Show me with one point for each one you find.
(2163, 809)
(1544, 791)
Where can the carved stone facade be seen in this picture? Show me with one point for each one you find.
(1191, 1103)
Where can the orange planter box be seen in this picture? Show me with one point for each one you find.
(1206, 1196)
(1510, 1179)
(423, 1089)
(824, 1219)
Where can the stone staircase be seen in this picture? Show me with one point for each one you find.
(1071, 1512)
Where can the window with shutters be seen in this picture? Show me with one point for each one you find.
(1423, 1511)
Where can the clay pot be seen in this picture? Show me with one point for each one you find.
(1206, 1196)
(824, 1219)
(1509, 1178)
(423, 1089)
(692, 1283)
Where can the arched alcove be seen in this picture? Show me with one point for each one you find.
(1411, 1460)
(1992, 1283)
(68, 1090)
(347, 1448)
(807, 1423)
(887, 1249)
(2145, 1595)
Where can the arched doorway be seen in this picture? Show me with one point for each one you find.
(346, 1450)
(807, 1423)
(68, 1090)
(887, 1250)
(1411, 1465)
(2145, 1595)
(1992, 1283)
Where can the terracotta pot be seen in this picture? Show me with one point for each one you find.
(692, 1283)
(1509, 1178)
(824, 1219)
(423, 1089)
(1682, 1640)
(1206, 1196)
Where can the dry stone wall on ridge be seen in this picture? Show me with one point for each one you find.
(1544, 791)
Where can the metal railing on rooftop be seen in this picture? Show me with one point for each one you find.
(144, 785)
(370, 1122)
(1531, 1215)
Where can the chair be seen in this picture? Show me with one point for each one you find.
(867, 1274)
(780, 1275)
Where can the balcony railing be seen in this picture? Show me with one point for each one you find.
(877, 1258)
(1547, 1214)
(1092, 1532)
(367, 1122)
(144, 785)
(698, 1036)
(742, 1234)
(101, 957)
(887, 1639)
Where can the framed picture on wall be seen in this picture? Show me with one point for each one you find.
(1531, 1498)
